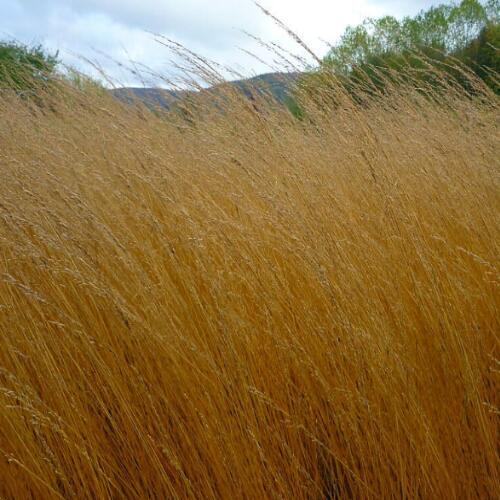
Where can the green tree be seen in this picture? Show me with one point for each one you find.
(447, 28)
(24, 68)
(421, 49)
(483, 55)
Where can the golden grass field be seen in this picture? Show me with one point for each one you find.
(246, 305)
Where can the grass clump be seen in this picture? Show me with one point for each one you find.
(245, 305)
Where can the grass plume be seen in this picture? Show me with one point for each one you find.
(245, 305)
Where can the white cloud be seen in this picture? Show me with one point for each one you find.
(213, 28)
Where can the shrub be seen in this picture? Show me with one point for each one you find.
(24, 68)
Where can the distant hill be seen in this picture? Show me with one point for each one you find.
(277, 84)
(151, 97)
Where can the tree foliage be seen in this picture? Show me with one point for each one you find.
(483, 55)
(446, 28)
(458, 39)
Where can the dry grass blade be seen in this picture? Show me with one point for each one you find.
(228, 302)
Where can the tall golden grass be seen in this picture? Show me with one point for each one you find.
(245, 305)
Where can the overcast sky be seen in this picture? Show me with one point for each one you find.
(106, 30)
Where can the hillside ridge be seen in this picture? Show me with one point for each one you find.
(277, 84)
